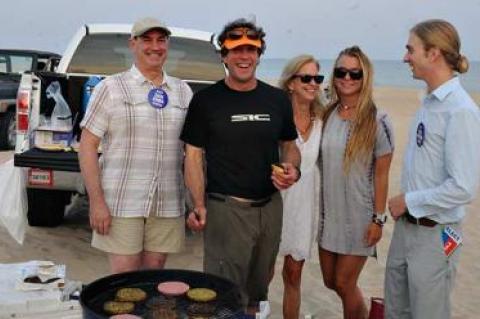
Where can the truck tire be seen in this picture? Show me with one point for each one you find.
(46, 208)
(7, 131)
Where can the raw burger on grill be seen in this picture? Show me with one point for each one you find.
(173, 288)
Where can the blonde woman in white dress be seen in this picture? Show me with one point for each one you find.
(301, 79)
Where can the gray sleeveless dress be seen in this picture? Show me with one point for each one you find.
(348, 201)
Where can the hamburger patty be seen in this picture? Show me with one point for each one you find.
(130, 294)
(201, 294)
(118, 307)
(160, 302)
(202, 310)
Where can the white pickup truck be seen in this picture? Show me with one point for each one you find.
(96, 49)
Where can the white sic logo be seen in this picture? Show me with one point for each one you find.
(251, 118)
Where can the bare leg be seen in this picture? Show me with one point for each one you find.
(292, 276)
(123, 263)
(152, 260)
(346, 278)
(328, 264)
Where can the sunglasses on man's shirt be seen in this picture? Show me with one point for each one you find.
(307, 78)
(341, 73)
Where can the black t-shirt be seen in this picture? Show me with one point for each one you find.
(240, 132)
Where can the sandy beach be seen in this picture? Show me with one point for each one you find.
(70, 243)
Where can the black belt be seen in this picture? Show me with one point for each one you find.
(420, 221)
(252, 203)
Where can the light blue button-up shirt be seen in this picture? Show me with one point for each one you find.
(441, 169)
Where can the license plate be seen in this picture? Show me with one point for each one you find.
(40, 177)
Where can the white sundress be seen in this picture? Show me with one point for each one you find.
(301, 200)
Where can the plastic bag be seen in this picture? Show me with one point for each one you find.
(88, 89)
(13, 200)
(61, 116)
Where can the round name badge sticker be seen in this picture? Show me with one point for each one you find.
(158, 98)
(420, 134)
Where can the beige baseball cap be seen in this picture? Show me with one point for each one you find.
(146, 24)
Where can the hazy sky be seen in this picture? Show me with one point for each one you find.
(319, 27)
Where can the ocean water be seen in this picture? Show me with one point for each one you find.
(387, 73)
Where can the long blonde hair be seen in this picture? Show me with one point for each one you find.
(290, 70)
(442, 35)
(364, 125)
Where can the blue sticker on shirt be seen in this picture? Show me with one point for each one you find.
(158, 98)
(420, 134)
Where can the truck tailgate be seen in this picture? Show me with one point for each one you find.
(58, 161)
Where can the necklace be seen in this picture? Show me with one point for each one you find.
(305, 130)
(346, 112)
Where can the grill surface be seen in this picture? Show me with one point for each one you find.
(94, 295)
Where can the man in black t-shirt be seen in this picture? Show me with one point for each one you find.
(240, 124)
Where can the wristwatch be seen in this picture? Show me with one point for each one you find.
(379, 218)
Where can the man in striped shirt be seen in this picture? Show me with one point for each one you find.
(136, 189)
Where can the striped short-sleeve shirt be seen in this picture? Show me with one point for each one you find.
(142, 155)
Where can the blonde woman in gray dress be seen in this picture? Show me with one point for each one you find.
(301, 80)
(355, 156)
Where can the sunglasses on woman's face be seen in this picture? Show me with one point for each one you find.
(341, 73)
(239, 33)
(307, 78)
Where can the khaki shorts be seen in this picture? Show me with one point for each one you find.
(130, 236)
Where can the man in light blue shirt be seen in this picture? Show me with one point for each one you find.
(441, 173)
